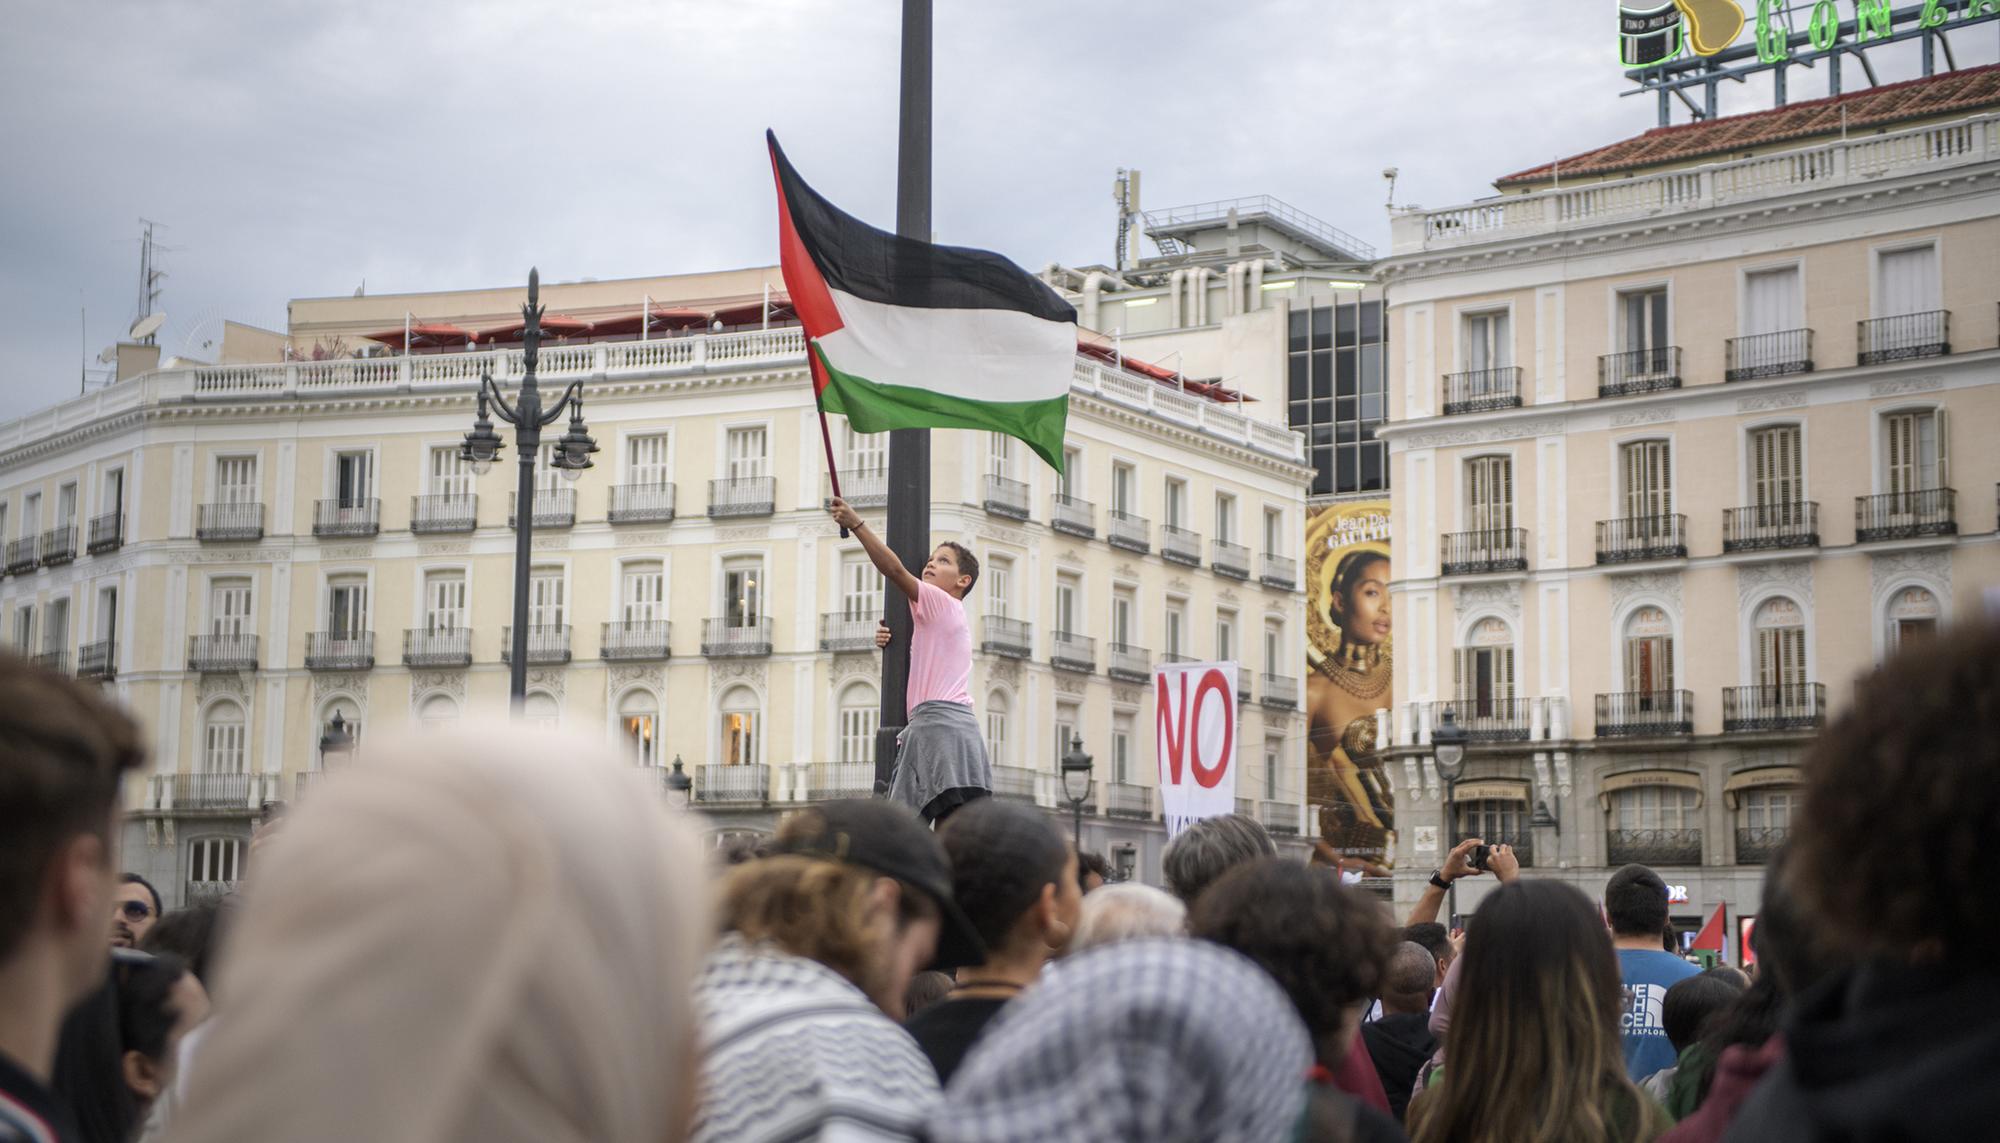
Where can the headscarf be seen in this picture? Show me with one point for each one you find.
(466, 937)
(1161, 1040)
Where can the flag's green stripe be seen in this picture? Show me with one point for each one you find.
(876, 408)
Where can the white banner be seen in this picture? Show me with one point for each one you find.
(1195, 715)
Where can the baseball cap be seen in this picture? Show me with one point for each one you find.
(889, 839)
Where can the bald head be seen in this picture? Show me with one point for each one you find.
(1407, 985)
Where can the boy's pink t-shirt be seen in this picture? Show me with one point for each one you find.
(940, 649)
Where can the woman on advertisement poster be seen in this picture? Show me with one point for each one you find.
(1349, 649)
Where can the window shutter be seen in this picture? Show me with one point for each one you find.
(1902, 432)
(1503, 681)
(1943, 419)
(1666, 671)
(1504, 517)
(1458, 673)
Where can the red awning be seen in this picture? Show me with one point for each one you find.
(752, 312)
(553, 325)
(424, 335)
(663, 320)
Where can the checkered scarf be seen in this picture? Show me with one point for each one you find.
(1159, 1040)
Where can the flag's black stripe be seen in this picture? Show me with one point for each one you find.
(858, 259)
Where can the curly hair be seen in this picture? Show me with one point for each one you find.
(1326, 945)
(1901, 812)
(818, 910)
(1210, 847)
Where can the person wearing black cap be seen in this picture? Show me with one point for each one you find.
(800, 999)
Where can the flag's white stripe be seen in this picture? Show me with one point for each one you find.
(977, 355)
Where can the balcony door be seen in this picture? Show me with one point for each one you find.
(444, 601)
(1066, 606)
(229, 608)
(743, 600)
(1914, 446)
(1642, 327)
(66, 505)
(55, 629)
(1777, 482)
(1646, 478)
(748, 451)
(999, 577)
(1485, 671)
(647, 460)
(1906, 282)
(354, 478)
(643, 594)
(1000, 455)
(347, 608)
(1781, 644)
(1773, 303)
(1489, 495)
(1486, 342)
(1649, 653)
(1121, 490)
(449, 474)
(547, 598)
(1121, 618)
(236, 480)
(110, 494)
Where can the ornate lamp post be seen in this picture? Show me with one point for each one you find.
(680, 787)
(572, 455)
(1448, 749)
(336, 743)
(1076, 783)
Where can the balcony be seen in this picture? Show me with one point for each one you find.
(1009, 638)
(1768, 355)
(635, 641)
(225, 522)
(215, 654)
(443, 513)
(1128, 663)
(1070, 652)
(861, 487)
(1127, 800)
(1232, 560)
(1133, 533)
(746, 784)
(1635, 539)
(1489, 719)
(107, 533)
(1246, 681)
(1004, 497)
(548, 644)
(58, 546)
(437, 647)
(340, 651)
(1902, 338)
(1652, 847)
(1279, 818)
(1771, 527)
(1280, 691)
(21, 556)
(640, 504)
(553, 508)
(735, 639)
(1015, 784)
(1486, 552)
(826, 781)
(742, 496)
(1482, 390)
(1074, 517)
(211, 791)
(1759, 846)
(842, 633)
(1278, 571)
(97, 660)
(1639, 371)
(54, 659)
(1905, 515)
(1645, 714)
(347, 517)
(1781, 706)
(1180, 545)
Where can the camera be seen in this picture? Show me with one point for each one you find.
(1477, 858)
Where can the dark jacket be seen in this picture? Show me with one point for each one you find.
(1399, 1045)
(1884, 1053)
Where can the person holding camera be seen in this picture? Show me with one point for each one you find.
(1469, 858)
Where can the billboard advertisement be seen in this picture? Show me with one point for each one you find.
(1349, 654)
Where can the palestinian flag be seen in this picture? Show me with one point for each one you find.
(905, 334)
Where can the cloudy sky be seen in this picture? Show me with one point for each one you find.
(298, 149)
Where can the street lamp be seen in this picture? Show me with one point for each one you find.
(1448, 750)
(1076, 784)
(337, 741)
(680, 787)
(572, 455)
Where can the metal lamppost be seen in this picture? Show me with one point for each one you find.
(1076, 783)
(572, 455)
(680, 787)
(1448, 749)
(336, 742)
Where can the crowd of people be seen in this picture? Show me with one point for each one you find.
(458, 940)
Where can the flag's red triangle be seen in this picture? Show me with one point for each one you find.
(1711, 935)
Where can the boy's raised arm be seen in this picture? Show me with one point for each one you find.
(885, 560)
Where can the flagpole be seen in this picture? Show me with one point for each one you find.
(832, 469)
(909, 449)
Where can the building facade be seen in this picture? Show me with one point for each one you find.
(245, 551)
(1682, 445)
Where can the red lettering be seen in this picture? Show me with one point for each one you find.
(1212, 681)
(1172, 723)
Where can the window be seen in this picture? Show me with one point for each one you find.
(353, 478)
(860, 586)
(1489, 494)
(999, 455)
(1775, 479)
(639, 727)
(110, 496)
(1176, 503)
(1649, 651)
(1338, 391)
(1121, 748)
(1122, 606)
(860, 714)
(236, 480)
(864, 452)
(1274, 648)
(1642, 323)
(347, 607)
(996, 729)
(229, 608)
(1274, 532)
(1176, 628)
(3, 518)
(439, 712)
(1771, 304)
(1915, 450)
(742, 595)
(1124, 490)
(1484, 670)
(1913, 617)
(66, 505)
(444, 601)
(24, 628)
(1496, 821)
(1066, 616)
(222, 738)
(1225, 518)
(449, 473)
(1225, 636)
(646, 460)
(548, 478)
(1770, 808)
(1906, 281)
(1646, 476)
(1781, 643)
(107, 614)
(1070, 483)
(999, 577)
(31, 515)
(546, 598)
(55, 629)
(540, 711)
(739, 728)
(1485, 343)
(1273, 750)
(642, 592)
(1069, 720)
(215, 861)
(1655, 808)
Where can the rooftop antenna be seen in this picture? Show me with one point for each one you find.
(149, 277)
(1389, 176)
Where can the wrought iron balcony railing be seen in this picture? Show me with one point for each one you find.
(1634, 714)
(1768, 355)
(211, 791)
(444, 512)
(1128, 800)
(861, 487)
(97, 660)
(58, 546)
(1903, 337)
(1782, 706)
(641, 503)
(1483, 552)
(1639, 371)
(1129, 663)
(1636, 538)
(1073, 516)
(743, 496)
(1771, 527)
(1015, 784)
(553, 508)
(1004, 497)
(841, 632)
(1009, 638)
(726, 639)
(1133, 533)
(635, 640)
(54, 659)
(21, 557)
(235, 521)
(1072, 652)
(1180, 545)
(1280, 691)
(219, 653)
(1229, 559)
(340, 650)
(1278, 571)
(107, 533)
(1490, 719)
(743, 784)
(826, 781)
(1246, 681)
(1482, 390)
(1652, 846)
(436, 647)
(347, 517)
(1758, 846)
(1905, 515)
(548, 644)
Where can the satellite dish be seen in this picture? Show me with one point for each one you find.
(146, 326)
(203, 340)
(108, 355)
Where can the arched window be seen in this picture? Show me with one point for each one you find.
(223, 737)
(541, 710)
(639, 726)
(1764, 821)
(1913, 617)
(740, 741)
(996, 728)
(438, 712)
(1780, 627)
(1649, 651)
(1485, 670)
(860, 714)
(1655, 825)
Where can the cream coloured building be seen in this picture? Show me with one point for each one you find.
(244, 551)
(1682, 445)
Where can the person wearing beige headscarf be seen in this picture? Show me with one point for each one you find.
(462, 938)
